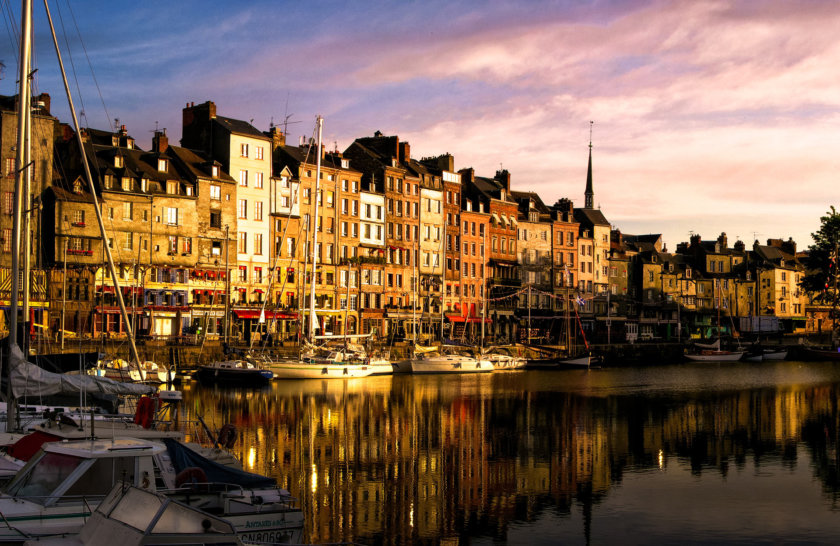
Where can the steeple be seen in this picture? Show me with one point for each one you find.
(589, 194)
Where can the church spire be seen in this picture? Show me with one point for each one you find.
(589, 194)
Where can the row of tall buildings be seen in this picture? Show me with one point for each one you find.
(217, 236)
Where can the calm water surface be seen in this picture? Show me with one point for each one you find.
(689, 454)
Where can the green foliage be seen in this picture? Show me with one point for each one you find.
(822, 263)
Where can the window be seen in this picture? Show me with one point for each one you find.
(126, 184)
(258, 241)
(186, 245)
(215, 219)
(8, 202)
(128, 211)
(172, 216)
(79, 218)
(243, 178)
(162, 165)
(258, 152)
(243, 150)
(173, 244)
(128, 242)
(118, 161)
(215, 192)
(258, 210)
(243, 209)
(243, 243)
(258, 180)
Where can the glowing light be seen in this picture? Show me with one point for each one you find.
(661, 459)
(411, 515)
(313, 486)
(252, 457)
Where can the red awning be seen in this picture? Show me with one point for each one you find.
(455, 318)
(254, 314)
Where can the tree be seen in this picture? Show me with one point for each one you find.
(821, 279)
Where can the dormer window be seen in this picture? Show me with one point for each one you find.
(109, 181)
(144, 184)
(502, 195)
(345, 163)
(782, 262)
(118, 161)
(687, 272)
(162, 165)
(189, 190)
(77, 186)
(126, 184)
(172, 187)
(214, 171)
(468, 204)
(115, 140)
(749, 275)
(129, 143)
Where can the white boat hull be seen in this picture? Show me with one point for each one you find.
(306, 370)
(724, 356)
(447, 364)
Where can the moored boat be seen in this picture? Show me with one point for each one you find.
(55, 493)
(240, 372)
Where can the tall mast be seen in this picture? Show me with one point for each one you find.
(20, 161)
(96, 207)
(314, 226)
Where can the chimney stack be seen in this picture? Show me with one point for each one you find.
(467, 175)
(160, 142)
(503, 176)
(404, 152)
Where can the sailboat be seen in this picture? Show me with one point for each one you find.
(713, 352)
(440, 359)
(320, 361)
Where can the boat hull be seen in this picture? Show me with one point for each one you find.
(714, 356)
(209, 374)
(306, 370)
(449, 364)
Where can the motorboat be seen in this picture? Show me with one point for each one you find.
(139, 517)
(239, 372)
(58, 489)
(121, 370)
(502, 359)
(442, 360)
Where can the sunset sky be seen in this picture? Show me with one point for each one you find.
(709, 116)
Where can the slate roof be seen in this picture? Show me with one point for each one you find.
(240, 127)
(591, 217)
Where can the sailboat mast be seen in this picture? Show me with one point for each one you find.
(129, 328)
(21, 166)
(314, 226)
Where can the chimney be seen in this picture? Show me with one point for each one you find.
(123, 131)
(278, 138)
(195, 125)
(467, 175)
(44, 102)
(160, 142)
(503, 176)
(723, 241)
(695, 240)
(789, 246)
(404, 151)
(739, 246)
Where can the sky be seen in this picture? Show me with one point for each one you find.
(708, 116)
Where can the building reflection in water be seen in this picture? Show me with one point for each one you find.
(440, 458)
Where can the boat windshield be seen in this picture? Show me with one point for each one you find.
(37, 481)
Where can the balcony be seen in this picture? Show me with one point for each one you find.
(78, 224)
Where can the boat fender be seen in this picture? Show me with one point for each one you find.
(227, 436)
(144, 415)
(190, 475)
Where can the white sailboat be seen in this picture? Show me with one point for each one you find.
(322, 362)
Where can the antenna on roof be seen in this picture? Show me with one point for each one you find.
(271, 123)
(116, 124)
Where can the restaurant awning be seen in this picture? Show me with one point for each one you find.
(254, 314)
(461, 318)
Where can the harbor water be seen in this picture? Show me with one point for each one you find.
(699, 453)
